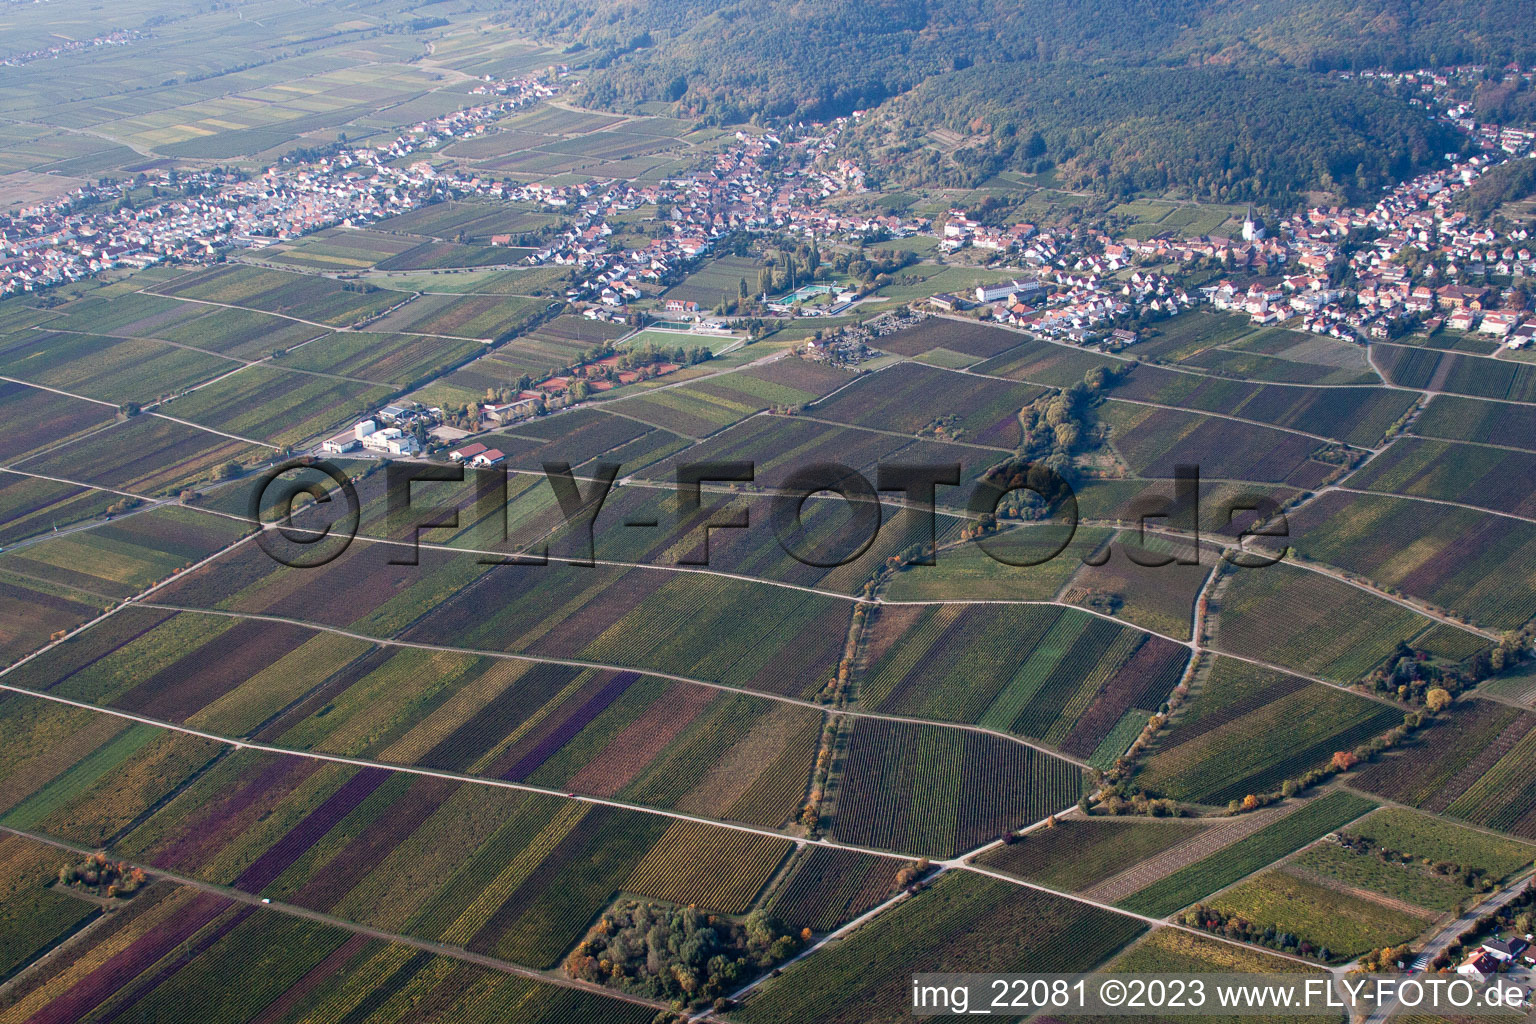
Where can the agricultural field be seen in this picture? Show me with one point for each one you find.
(146, 454)
(1173, 951)
(31, 611)
(34, 917)
(174, 946)
(1042, 362)
(1473, 763)
(1029, 562)
(867, 977)
(823, 888)
(476, 219)
(1414, 860)
(1462, 561)
(32, 505)
(668, 339)
(715, 280)
(700, 408)
(1470, 474)
(1461, 374)
(780, 445)
(1144, 580)
(222, 330)
(1229, 345)
(478, 317)
(35, 420)
(1358, 416)
(107, 369)
(424, 780)
(580, 435)
(121, 558)
(921, 280)
(1247, 729)
(621, 532)
(1154, 441)
(1311, 623)
(1225, 508)
(1076, 853)
(642, 619)
(511, 875)
(551, 346)
(302, 297)
(276, 407)
(1300, 827)
(397, 360)
(1454, 418)
(1337, 926)
(1056, 675)
(905, 397)
(534, 281)
(920, 788)
(339, 249)
(964, 336)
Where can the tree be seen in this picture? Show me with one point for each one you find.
(1437, 699)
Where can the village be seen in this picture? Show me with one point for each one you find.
(1074, 286)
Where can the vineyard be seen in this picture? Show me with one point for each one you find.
(114, 370)
(904, 398)
(1311, 623)
(983, 570)
(827, 887)
(1311, 821)
(509, 874)
(781, 445)
(695, 864)
(940, 791)
(1475, 376)
(1342, 924)
(31, 418)
(122, 558)
(1358, 416)
(1490, 478)
(175, 949)
(1249, 729)
(1040, 362)
(1053, 674)
(1410, 884)
(1155, 441)
(33, 917)
(30, 506)
(302, 296)
(1155, 597)
(965, 336)
(1077, 854)
(1469, 419)
(867, 978)
(1481, 565)
(396, 359)
(145, 454)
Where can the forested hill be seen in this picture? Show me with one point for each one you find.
(1220, 133)
(782, 59)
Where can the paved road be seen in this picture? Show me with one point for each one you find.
(1447, 935)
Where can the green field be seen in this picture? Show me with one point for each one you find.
(1340, 926)
(1077, 854)
(1248, 729)
(1220, 869)
(867, 978)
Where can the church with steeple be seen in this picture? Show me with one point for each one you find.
(1253, 227)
